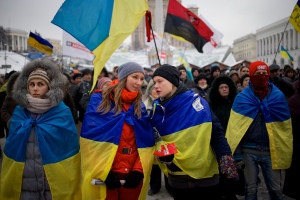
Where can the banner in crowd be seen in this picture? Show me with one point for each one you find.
(72, 47)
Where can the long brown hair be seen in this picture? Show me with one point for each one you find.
(115, 91)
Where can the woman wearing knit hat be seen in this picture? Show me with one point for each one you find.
(117, 141)
(263, 137)
(244, 82)
(41, 155)
(184, 118)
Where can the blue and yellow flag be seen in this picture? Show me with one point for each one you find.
(186, 64)
(277, 118)
(285, 54)
(40, 44)
(58, 145)
(186, 121)
(295, 17)
(100, 137)
(101, 26)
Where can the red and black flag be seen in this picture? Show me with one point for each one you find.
(183, 23)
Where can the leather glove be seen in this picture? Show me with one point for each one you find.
(228, 167)
(112, 181)
(166, 159)
(133, 180)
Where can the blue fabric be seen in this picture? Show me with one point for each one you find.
(273, 107)
(86, 20)
(108, 128)
(55, 133)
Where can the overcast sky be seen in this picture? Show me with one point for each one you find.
(233, 18)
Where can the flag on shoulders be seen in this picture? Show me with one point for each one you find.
(285, 54)
(40, 44)
(295, 17)
(101, 26)
(187, 26)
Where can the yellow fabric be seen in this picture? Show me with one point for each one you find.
(97, 166)
(11, 176)
(127, 15)
(41, 47)
(281, 145)
(67, 171)
(194, 152)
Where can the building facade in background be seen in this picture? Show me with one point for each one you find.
(17, 40)
(271, 37)
(244, 48)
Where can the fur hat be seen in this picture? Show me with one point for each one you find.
(129, 68)
(102, 81)
(40, 74)
(233, 72)
(168, 72)
(58, 83)
(257, 65)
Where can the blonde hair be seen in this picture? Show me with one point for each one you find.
(116, 92)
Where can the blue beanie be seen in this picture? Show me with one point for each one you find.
(129, 68)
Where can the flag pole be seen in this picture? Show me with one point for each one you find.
(280, 42)
(148, 25)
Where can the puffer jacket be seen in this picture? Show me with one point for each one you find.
(34, 183)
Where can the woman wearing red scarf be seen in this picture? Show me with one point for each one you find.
(117, 139)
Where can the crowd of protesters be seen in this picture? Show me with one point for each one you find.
(251, 113)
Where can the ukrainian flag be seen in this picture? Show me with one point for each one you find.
(294, 18)
(100, 137)
(277, 118)
(40, 44)
(58, 144)
(101, 26)
(285, 54)
(186, 121)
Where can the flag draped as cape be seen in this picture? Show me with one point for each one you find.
(186, 121)
(100, 136)
(59, 148)
(278, 122)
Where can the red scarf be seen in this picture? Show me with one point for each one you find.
(260, 85)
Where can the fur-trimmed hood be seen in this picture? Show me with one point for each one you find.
(10, 83)
(58, 82)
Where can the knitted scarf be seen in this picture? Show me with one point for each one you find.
(37, 105)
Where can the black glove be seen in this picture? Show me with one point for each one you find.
(166, 159)
(112, 181)
(240, 165)
(133, 180)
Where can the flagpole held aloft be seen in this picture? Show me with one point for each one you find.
(148, 19)
(280, 42)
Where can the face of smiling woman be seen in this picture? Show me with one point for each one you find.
(135, 81)
(37, 88)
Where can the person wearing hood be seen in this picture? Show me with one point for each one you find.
(117, 140)
(221, 97)
(41, 155)
(183, 118)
